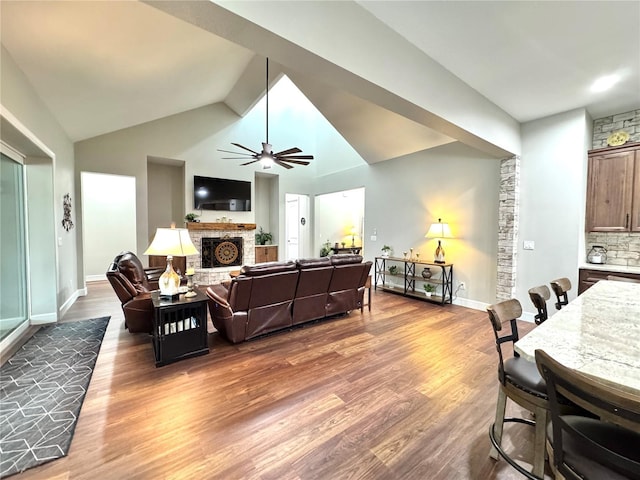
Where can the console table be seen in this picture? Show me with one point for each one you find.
(408, 272)
(179, 327)
(354, 250)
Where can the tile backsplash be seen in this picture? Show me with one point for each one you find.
(622, 248)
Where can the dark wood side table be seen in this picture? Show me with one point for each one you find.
(179, 327)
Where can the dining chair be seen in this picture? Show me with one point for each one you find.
(521, 382)
(539, 296)
(560, 287)
(622, 279)
(605, 445)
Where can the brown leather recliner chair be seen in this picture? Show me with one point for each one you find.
(257, 301)
(310, 302)
(346, 290)
(133, 284)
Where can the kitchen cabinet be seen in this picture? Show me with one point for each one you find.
(613, 190)
(266, 253)
(589, 277)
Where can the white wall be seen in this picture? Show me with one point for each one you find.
(60, 271)
(166, 198)
(404, 196)
(335, 214)
(108, 220)
(552, 206)
(195, 137)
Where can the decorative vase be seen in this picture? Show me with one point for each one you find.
(426, 273)
(439, 256)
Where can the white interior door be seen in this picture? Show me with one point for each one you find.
(297, 226)
(292, 233)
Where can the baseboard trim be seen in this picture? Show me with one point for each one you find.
(95, 278)
(82, 292)
(43, 318)
(475, 305)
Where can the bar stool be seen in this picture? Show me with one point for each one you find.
(539, 296)
(520, 381)
(560, 287)
(604, 442)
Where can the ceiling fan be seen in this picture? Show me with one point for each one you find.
(266, 156)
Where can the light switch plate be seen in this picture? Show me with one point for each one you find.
(529, 245)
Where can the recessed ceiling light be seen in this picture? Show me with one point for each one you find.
(605, 83)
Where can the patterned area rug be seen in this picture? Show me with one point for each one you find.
(42, 388)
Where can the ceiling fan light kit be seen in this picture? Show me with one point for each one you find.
(266, 157)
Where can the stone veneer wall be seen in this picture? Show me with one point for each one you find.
(622, 248)
(210, 276)
(508, 220)
(603, 127)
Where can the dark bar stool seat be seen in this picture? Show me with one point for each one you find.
(539, 296)
(521, 382)
(560, 287)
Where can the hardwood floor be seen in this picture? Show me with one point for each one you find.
(406, 391)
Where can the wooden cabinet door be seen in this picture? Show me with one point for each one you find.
(610, 191)
(266, 253)
(635, 211)
(271, 252)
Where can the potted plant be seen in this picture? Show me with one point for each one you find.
(191, 217)
(262, 237)
(393, 269)
(386, 250)
(429, 289)
(325, 250)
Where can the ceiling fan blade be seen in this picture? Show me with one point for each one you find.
(245, 148)
(282, 164)
(229, 151)
(297, 162)
(299, 157)
(287, 152)
(249, 163)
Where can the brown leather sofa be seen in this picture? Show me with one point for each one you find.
(273, 296)
(133, 285)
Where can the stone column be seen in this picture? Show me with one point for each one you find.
(508, 228)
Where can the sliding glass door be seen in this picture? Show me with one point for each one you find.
(13, 274)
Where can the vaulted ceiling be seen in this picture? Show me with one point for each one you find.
(103, 66)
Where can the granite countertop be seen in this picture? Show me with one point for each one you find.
(610, 268)
(597, 334)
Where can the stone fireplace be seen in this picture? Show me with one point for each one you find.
(226, 238)
(221, 252)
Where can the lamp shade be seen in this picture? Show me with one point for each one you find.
(171, 241)
(439, 230)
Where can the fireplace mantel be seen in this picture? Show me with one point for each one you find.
(220, 226)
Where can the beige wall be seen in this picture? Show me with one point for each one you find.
(56, 277)
(404, 196)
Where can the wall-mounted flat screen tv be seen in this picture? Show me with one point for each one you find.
(221, 194)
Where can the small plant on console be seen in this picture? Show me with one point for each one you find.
(262, 237)
(429, 289)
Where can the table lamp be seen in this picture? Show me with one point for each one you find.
(353, 232)
(171, 241)
(439, 230)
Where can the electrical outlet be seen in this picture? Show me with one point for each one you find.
(462, 286)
